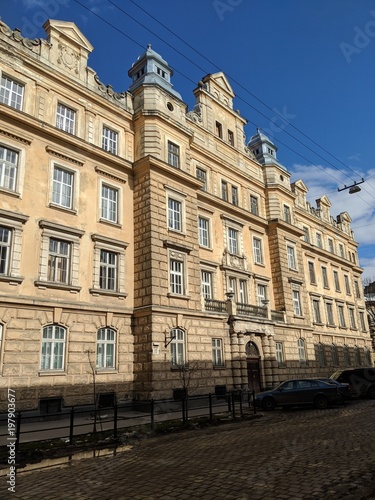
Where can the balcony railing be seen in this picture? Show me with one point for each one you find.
(248, 310)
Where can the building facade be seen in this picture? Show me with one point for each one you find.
(146, 248)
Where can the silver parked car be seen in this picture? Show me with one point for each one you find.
(299, 392)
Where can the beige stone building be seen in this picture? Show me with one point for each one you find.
(150, 248)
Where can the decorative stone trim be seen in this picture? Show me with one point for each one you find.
(177, 246)
(110, 175)
(17, 37)
(59, 286)
(45, 224)
(107, 90)
(15, 137)
(109, 241)
(63, 156)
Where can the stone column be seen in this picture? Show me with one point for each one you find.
(268, 372)
(236, 363)
(274, 364)
(243, 362)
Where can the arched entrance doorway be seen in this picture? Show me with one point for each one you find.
(253, 366)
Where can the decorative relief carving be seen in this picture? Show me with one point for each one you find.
(108, 91)
(195, 114)
(68, 57)
(64, 157)
(17, 37)
(234, 261)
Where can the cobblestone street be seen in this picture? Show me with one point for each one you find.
(286, 455)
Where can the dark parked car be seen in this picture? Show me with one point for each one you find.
(360, 380)
(299, 393)
(344, 389)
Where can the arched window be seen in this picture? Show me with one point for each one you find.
(301, 351)
(106, 348)
(53, 348)
(252, 350)
(177, 347)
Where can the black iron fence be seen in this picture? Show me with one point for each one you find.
(73, 422)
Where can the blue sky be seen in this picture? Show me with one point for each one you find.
(302, 70)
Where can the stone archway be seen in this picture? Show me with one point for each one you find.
(253, 367)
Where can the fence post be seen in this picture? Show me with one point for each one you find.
(152, 414)
(71, 426)
(115, 408)
(210, 405)
(18, 431)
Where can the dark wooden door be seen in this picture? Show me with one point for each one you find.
(253, 374)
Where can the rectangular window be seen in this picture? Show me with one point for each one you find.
(230, 137)
(173, 154)
(65, 119)
(202, 176)
(254, 208)
(334, 355)
(301, 352)
(352, 320)
(62, 187)
(347, 284)
(224, 190)
(287, 215)
(217, 352)
(325, 277)
(109, 140)
(232, 288)
(8, 168)
(204, 232)
(306, 235)
(330, 245)
(106, 348)
(242, 292)
(297, 303)
(234, 195)
(109, 202)
(174, 214)
(257, 251)
(176, 276)
(336, 281)
(261, 295)
(362, 321)
(233, 241)
(329, 313)
(219, 130)
(5, 248)
(59, 261)
(312, 273)
(341, 250)
(357, 291)
(279, 353)
(341, 315)
(53, 348)
(318, 239)
(317, 318)
(108, 270)
(291, 257)
(11, 92)
(206, 280)
(321, 355)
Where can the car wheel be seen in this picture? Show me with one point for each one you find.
(371, 392)
(321, 402)
(268, 404)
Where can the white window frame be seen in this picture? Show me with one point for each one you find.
(59, 185)
(110, 207)
(233, 241)
(317, 317)
(111, 246)
(260, 295)
(176, 276)
(59, 260)
(11, 92)
(178, 348)
(254, 204)
(106, 348)
(204, 231)
(242, 291)
(217, 352)
(108, 270)
(297, 304)
(258, 250)
(110, 140)
(206, 284)
(301, 345)
(52, 357)
(6, 234)
(291, 255)
(66, 118)
(9, 168)
(279, 353)
(12, 222)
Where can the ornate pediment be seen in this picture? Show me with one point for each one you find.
(68, 32)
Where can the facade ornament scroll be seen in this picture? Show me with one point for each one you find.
(195, 114)
(17, 37)
(108, 91)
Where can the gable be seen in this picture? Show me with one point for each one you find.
(69, 32)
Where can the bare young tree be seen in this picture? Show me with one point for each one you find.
(369, 293)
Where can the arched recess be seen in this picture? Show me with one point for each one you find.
(253, 366)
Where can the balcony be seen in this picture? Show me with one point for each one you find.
(245, 310)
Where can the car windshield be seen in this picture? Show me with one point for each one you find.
(335, 375)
